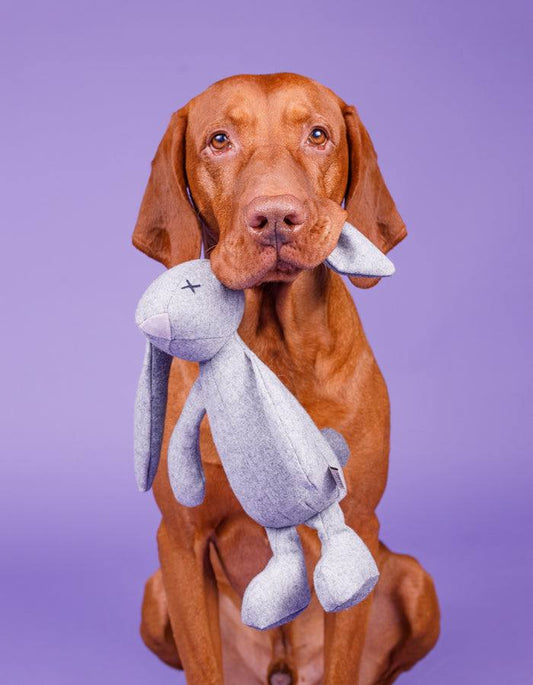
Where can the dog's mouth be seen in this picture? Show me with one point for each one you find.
(282, 270)
(241, 262)
(285, 261)
(286, 267)
(282, 263)
(264, 265)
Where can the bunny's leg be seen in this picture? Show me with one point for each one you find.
(281, 591)
(346, 572)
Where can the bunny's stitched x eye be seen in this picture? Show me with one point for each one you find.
(191, 286)
(318, 136)
(220, 141)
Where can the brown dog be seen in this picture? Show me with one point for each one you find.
(256, 168)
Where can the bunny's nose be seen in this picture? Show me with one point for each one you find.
(157, 326)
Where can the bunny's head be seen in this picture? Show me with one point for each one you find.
(188, 313)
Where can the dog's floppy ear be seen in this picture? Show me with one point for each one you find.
(167, 228)
(368, 202)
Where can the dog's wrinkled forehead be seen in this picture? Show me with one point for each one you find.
(254, 106)
(196, 303)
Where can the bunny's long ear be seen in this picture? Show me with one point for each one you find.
(356, 255)
(150, 405)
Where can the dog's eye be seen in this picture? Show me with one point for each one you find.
(219, 141)
(318, 136)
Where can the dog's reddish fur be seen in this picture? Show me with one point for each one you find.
(301, 320)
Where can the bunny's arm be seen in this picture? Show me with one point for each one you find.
(184, 461)
(150, 405)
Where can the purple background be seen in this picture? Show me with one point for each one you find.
(445, 90)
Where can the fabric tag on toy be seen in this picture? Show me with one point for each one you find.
(337, 477)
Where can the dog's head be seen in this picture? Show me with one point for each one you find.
(267, 169)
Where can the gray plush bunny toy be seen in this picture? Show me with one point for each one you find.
(283, 470)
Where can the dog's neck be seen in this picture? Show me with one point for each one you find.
(293, 326)
(284, 308)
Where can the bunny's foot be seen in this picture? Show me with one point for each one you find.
(346, 572)
(280, 592)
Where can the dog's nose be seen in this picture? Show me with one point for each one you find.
(157, 326)
(275, 218)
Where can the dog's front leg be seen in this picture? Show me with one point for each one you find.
(192, 601)
(345, 631)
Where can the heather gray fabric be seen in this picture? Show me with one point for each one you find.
(338, 444)
(184, 461)
(346, 572)
(276, 459)
(286, 574)
(282, 468)
(202, 313)
(356, 255)
(150, 406)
